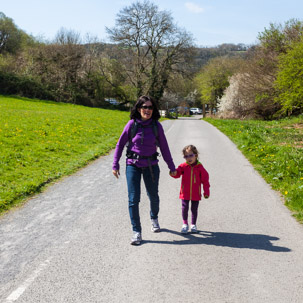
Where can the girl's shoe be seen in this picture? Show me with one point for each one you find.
(184, 229)
(155, 225)
(193, 229)
(136, 238)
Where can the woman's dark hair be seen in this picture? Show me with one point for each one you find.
(141, 100)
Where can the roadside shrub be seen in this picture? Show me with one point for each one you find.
(11, 84)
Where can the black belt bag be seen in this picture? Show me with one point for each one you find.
(132, 155)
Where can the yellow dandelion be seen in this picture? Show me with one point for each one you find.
(286, 192)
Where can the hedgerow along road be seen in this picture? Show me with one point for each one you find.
(72, 242)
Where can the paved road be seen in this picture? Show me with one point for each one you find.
(71, 243)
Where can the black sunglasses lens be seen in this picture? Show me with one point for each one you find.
(147, 107)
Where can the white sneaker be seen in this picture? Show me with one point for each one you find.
(184, 229)
(193, 229)
(136, 238)
(155, 225)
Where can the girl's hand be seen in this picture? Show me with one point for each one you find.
(206, 196)
(173, 173)
(116, 173)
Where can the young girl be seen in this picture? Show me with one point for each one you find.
(193, 175)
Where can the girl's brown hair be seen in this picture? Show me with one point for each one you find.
(192, 148)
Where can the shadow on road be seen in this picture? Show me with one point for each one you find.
(251, 241)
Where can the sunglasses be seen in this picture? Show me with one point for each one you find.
(188, 156)
(147, 107)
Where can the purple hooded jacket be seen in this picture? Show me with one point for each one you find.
(147, 148)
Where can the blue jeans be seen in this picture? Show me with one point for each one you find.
(133, 177)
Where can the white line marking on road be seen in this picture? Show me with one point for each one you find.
(171, 126)
(15, 295)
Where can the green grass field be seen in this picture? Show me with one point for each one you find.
(275, 149)
(41, 141)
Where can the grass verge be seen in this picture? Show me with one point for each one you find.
(275, 149)
(41, 141)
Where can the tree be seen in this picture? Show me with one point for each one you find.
(255, 85)
(289, 80)
(262, 67)
(213, 79)
(68, 56)
(255, 90)
(153, 46)
(278, 38)
(115, 77)
(236, 102)
(58, 66)
(11, 38)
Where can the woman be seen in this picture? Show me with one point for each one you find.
(143, 133)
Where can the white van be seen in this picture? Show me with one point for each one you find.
(196, 110)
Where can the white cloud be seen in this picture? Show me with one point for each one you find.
(194, 8)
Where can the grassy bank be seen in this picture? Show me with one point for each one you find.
(275, 149)
(41, 141)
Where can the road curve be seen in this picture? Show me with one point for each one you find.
(71, 243)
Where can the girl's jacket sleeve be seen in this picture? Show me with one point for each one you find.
(205, 181)
(120, 145)
(164, 148)
(179, 172)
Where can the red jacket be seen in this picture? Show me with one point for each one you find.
(192, 178)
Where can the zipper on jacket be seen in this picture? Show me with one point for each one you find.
(191, 182)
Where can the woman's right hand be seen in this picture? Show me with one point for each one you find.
(173, 173)
(116, 173)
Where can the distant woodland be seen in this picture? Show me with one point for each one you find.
(155, 57)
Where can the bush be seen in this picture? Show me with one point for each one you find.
(11, 84)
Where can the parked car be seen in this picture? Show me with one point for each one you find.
(196, 110)
(112, 101)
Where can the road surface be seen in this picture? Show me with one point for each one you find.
(71, 243)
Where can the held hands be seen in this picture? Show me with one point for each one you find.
(173, 173)
(116, 173)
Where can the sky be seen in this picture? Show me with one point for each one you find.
(211, 22)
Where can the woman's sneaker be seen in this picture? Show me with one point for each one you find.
(184, 229)
(155, 225)
(136, 238)
(193, 229)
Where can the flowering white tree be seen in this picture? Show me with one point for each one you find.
(233, 104)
